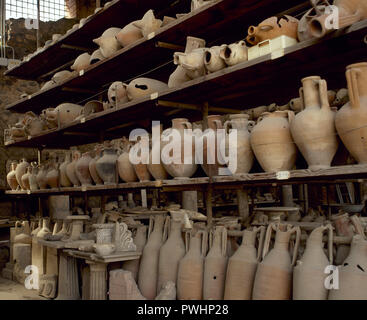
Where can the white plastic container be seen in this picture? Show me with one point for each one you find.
(273, 46)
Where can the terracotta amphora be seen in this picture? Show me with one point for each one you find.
(178, 164)
(96, 56)
(41, 176)
(64, 180)
(117, 93)
(82, 62)
(70, 169)
(272, 28)
(242, 266)
(215, 266)
(108, 43)
(125, 168)
(141, 150)
(234, 53)
(22, 232)
(142, 87)
(155, 165)
(352, 273)
(11, 176)
(192, 62)
(148, 271)
(25, 179)
(129, 34)
(140, 240)
(309, 273)
(45, 230)
(272, 143)
(92, 165)
(33, 185)
(190, 276)
(20, 170)
(313, 129)
(107, 166)
(172, 251)
(351, 119)
(52, 176)
(82, 169)
(148, 23)
(343, 228)
(179, 76)
(67, 112)
(212, 59)
(273, 280)
(239, 151)
(211, 162)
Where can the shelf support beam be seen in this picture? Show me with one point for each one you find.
(171, 46)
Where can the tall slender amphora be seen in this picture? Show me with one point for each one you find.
(273, 280)
(242, 266)
(309, 273)
(272, 142)
(191, 267)
(148, 271)
(351, 119)
(170, 255)
(352, 273)
(140, 240)
(313, 129)
(216, 266)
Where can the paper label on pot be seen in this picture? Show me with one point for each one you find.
(151, 35)
(154, 96)
(29, 97)
(84, 188)
(29, 137)
(82, 120)
(28, 192)
(81, 72)
(283, 175)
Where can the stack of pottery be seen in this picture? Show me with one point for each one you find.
(313, 129)
(272, 143)
(191, 267)
(273, 280)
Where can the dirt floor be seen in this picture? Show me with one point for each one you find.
(10, 290)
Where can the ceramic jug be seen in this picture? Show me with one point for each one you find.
(273, 280)
(148, 271)
(351, 119)
(64, 180)
(178, 164)
(239, 151)
(107, 166)
(140, 240)
(117, 93)
(272, 143)
(155, 165)
(213, 61)
(22, 233)
(215, 266)
(313, 129)
(82, 169)
(172, 251)
(191, 267)
(309, 273)
(25, 179)
(242, 266)
(211, 162)
(125, 168)
(20, 171)
(234, 53)
(52, 176)
(148, 23)
(272, 28)
(179, 76)
(92, 165)
(11, 176)
(45, 230)
(70, 169)
(108, 43)
(142, 87)
(343, 228)
(41, 176)
(352, 274)
(129, 34)
(192, 62)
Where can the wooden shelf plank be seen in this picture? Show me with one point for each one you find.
(240, 85)
(120, 13)
(342, 173)
(223, 21)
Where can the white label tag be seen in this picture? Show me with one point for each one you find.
(81, 72)
(154, 96)
(29, 137)
(82, 120)
(28, 191)
(84, 188)
(283, 175)
(151, 35)
(277, 54)
(29, 97)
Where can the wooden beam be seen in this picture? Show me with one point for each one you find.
(171, 46)
(68, 46)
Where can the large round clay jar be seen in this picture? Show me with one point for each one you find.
(64, 180)
(82, 169)
(68, 112)
(141, 169)
(182, 165)
(20, 171)
(351, 119)
(25, 179)
(70, 169)
(11, 176)
(92, 165)
(125, 168)
(129, 34)
(272, 142)
(41, 176)
(141, 87)
(157, 170)
(107, 166)
(313, 129)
